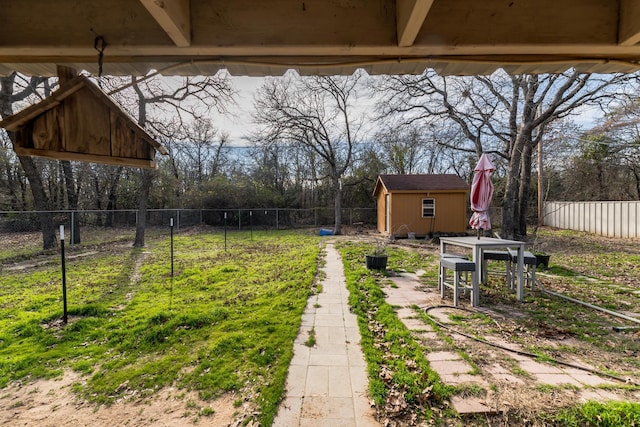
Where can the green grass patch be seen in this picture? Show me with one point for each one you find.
(608, 414)
(395, 360)
(226, 321)
(311, 341)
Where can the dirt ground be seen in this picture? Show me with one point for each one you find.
(52, 403)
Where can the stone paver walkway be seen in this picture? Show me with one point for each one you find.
(453, 370)
(327, 383)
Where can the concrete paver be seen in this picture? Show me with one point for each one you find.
(327, 383)
(470, 405)
(439, 356)
(414, 324)
(452, 370)
(591, 379)
(499, 372)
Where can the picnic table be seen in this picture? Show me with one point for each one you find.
(478, 246)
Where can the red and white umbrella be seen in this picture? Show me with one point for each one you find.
(481, 194)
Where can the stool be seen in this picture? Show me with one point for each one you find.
(448, 255)
(497, 256)
(529, 260)
(460, 281)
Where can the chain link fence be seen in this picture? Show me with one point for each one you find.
(238, 219)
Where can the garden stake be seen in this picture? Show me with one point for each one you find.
(171, 279)
(171, 231)
(64, 277)
(225, 232)
(251, 224)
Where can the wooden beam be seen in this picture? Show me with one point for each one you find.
(232, 33)
(92, 158)
(322, 27)
(410, 15)
(174, 18)
(629, 29)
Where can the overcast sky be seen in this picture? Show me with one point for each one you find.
(239, 123)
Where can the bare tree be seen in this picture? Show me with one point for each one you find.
(13, 188)
(408, 149)
(506, 115)
(317, 113)
(8, 97)
(203, 149)
(272, 172)
(611, 150)
(182, 100)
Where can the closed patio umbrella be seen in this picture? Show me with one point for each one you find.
(481, 194)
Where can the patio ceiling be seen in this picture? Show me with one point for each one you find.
(267, 37)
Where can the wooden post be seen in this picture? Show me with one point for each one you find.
(65, 73)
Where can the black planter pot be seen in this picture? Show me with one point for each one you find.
(376, 262)
(542, 259)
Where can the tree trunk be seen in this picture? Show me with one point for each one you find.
(510, 205)
(524, 190)
(23, 191)
(145, 175)
(14, 187)
(636, 177)
(111, 201)
(72, 198)
(176, 175)
(41, 201)
(602, 186)
(143, 197)
(337, 187)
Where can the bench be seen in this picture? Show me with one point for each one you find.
(497, 256)
(461, 268)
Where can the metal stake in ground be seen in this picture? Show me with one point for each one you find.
(251, 224)
(171, 244)
(225, 232)
(171, 279)
(64, 277)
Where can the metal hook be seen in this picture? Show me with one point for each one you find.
(100, 44)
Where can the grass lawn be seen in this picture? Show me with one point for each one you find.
(225, 322)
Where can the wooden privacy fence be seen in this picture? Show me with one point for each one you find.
(611, 219)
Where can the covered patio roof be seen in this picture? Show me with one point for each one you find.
(260, 37)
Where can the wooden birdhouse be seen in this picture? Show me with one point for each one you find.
(80, 122)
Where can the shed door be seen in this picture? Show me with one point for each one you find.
(387, 212)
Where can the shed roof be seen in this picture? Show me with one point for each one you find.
(422, 182)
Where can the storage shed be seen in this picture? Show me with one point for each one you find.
(421, 204)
